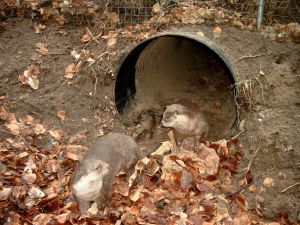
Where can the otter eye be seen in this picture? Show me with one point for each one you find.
(98, 167)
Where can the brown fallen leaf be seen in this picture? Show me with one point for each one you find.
(42, 219)
(78, 137)
(86, 38)
(217, 32)
(6, 116)
(15, 127)
(30, 178)
(39, 27)
(4, 193)
(112, 41)
(156, 8)
(69, 71)
(85, 120)
(41, 48)
(268, 182)
(61, 114)
(28, 120)
(57, 134)
(39, 129)
(73, 156)
(62, 218)
(30, 77)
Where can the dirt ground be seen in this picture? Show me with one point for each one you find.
(270, 142)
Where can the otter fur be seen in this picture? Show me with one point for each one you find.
(187, 119)
(93, 178)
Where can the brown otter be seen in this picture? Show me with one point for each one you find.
(93, 178)
(186, 118)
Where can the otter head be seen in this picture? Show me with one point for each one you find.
(91, 180)
(171, 115)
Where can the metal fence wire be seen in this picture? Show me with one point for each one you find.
(132, 12)
(121, 13)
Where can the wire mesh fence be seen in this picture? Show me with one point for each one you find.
(132, 12)
(120, 13)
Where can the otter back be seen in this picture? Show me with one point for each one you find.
(93, 178)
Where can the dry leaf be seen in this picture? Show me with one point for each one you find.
(39, 28)
(61, 114)
(23, 154)
(93, 210)
(78, 65)
(28, 120)
(268, 182)
(200, 34)
(252, 188)
(41, 219)
(73, 156)
(75, 54)
(30, 77)
(41, 48)
(15, 127)
(238, 24)
(39, 129)
(30, 178)
(77, 137)
(36, 192)
(156, 8)
(62, 218)
(86, 38)
(261, 73)
(136, 195)
(7, 116)
(112, 41)
(57, 134)
(69, 71)
(4, 193)
(85, 120)
(91, 61)
(217, 32)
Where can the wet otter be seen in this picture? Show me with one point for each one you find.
(93, 178)
(186, 118)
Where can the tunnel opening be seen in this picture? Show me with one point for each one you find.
(167, 68)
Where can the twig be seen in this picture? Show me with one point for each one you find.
(292, 76)
(251, 161)
(57, 53)
(95, 87)
(238, 134)
(242, 129)
(51, 93)
(93, 37)
(249, 56)
(262, 89)
(244, 187)
(289, 187)
(39, 107)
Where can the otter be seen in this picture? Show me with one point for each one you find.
(186, 118)
(92, 180)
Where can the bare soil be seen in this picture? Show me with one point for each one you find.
(271, 129)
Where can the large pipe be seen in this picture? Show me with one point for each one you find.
(260, 13)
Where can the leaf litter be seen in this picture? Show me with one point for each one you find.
(165, 188)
